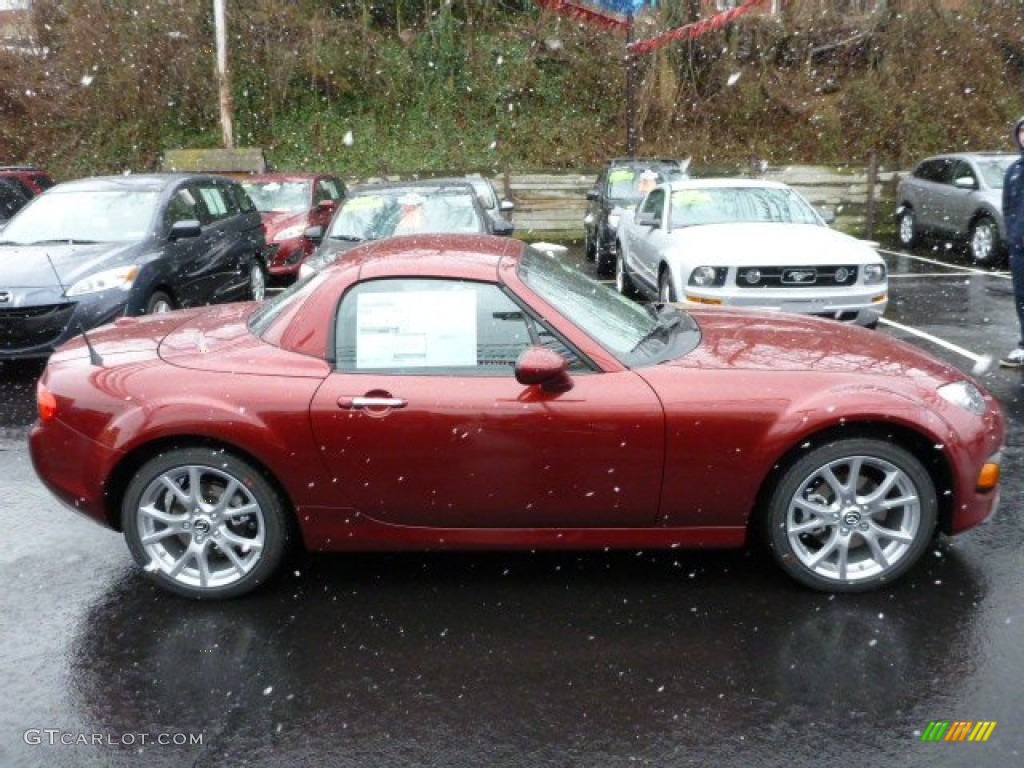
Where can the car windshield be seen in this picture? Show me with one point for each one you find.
(485, 192)
(408, 211)
(636, 334)
(279, 196)
(630, 184)
(993, 169)
(85, 215)
(717, 205)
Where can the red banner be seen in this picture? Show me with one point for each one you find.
(690, 31)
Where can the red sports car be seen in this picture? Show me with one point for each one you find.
(470, 392)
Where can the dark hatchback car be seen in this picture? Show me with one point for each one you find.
(621, 184)
(376, 211)
(89, 251)
(291, 203)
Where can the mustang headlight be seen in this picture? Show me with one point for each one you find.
(874, 274)
(108, 279)
(707, 277)
(964, 394)
(290, 232)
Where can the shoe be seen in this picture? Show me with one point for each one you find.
(1013, 360)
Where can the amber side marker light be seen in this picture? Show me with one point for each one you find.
(46, 403)
(988, 477)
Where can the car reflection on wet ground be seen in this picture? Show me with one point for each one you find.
(525, 659)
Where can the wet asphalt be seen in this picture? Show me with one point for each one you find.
(595, 659)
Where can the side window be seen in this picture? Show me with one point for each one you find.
(242, 199)
(326, 189)
(654, 203)
(935, 170)
(961, 171)
(213, 199)
(433, 327)
(44, 181)
(182, 207)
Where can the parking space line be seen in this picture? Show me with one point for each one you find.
(963, 269)
(933, 339)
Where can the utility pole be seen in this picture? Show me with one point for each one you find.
(223, 81)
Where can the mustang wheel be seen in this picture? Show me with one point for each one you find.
(984, 242)
(852, 515)
(907, 228)
(204, 524)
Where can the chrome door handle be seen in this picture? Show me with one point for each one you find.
(372, 402)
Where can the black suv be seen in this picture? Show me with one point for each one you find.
(621, 184)
(92, 250)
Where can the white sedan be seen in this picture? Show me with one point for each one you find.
(748, 243)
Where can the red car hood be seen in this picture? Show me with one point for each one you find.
(275, 221)
(785, 342)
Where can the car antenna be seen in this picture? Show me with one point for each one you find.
(94, 356)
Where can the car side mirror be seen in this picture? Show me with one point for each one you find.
(316, 234)
(593, 195)
(503, 228)
(543, 367)
(506, 205)
(827, 215)
(965, 182)
(185, 228)
(647, 219)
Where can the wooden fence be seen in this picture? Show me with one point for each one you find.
(552, 205)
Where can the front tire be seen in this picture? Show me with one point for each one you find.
(623, 282)
(257, 280)
(159, 302)
(985, 244)
(906, 228)
(851, 515)
(204, 523)
(666, 291)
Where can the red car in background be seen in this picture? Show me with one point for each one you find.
(291, 203)
(31, 179)
(471, 392)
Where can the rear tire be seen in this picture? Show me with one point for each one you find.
(257, 280)
(603, 261)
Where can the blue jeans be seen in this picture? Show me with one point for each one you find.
(1017, 273)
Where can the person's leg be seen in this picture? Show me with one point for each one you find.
(1015, 359)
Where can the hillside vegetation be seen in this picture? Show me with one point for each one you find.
(419, 85)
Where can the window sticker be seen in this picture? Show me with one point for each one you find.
(416, 329)
(214, 201)
(621, 174)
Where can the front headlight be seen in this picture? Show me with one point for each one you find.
(289, 233)
(874, 274)
(613, 220)
(964, 394)
(108, 279)
(707, 277)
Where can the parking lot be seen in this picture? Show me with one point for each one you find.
(596, 659)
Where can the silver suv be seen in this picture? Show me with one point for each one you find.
(957, 196)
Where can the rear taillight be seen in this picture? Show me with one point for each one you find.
(46, 403)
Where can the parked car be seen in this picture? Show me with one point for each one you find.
(92, 250)
(375, 211)
(468, 392)
(12, 199)
(958, 196)
(291, 203)
(35, 180)
(746, 242)
(497, 207)
(619, 186)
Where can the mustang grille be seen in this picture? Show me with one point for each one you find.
(796, 277)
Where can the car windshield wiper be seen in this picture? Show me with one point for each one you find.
(348, 238)
(67, 240)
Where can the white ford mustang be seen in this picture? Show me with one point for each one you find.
(751, 243)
